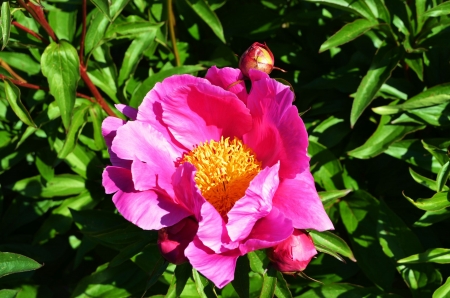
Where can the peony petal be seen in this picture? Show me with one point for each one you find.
(278, 133)
(153, 176)
(226, 77)
(127, 111)
(304, 249)
(298, 200)
(200, 113)
(109, 130)
(256, 203)
(148, 210)
(219, 268)
(268, 231)
(186, 191)
(139, 140)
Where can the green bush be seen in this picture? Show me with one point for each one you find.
(371, 77)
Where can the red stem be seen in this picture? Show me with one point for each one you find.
(37, 87)
(29, 31)
(95, 92)
(38, 14)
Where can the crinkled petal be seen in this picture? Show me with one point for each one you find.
(230, 79)
(200, 113)
(186, 191)
(278, 133)
(256, 203)
(147, 209)
(152, 176)
(139, 141)
(219, 268)
(268, 231)
(127, 111)
(109, 130)
(298, 200)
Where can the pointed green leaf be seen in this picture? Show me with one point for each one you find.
(443, 291)
(103, 6)
(433, 255)
(6, 22)
(431, 184)
(384, 62)
(63, 21)
(78, 121)
(441, 10)
(241, 282)
(437, 202)
(347, 33)
(14, 263)
(201, 7)
(8, 293)
(358, 7)
(282, 289)
(331, 196)
(415, 62)
(201, 283)
(61, 185)
(385, 135)
(398, 242)
(333, 242)
(61, 66)
(431, 217)
(442, 176)
(13, 96)
(269, 283)
(438, 153)
(95, 112)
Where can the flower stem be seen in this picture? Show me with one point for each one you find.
(171, 19)
(37, 87)
(21, 27)
(11, 72)
(38, 14)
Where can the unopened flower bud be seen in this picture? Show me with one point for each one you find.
(294, 253)
(257, 56)
(172, 241)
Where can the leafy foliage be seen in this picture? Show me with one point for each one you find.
(372, 82)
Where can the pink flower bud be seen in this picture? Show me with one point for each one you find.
(294, 253)
(172, 241)
(257, 56)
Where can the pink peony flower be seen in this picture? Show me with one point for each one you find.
(294, 253)
(235, 162)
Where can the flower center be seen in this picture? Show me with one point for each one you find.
(224, 171)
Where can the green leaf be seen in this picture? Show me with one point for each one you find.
(241, 281)
(358, 7)
(102, 72)
(415, 62)
(442, 176)
(330, 197)
(22, 62)
(8, 293)
(63, 21)
(384, 62)
(201, 284)
(359, 213)
(179, 280)
(282, 289)
(131, 29)
(443, 291)
(328, 170)
(257, 260)
(134, 54)
(150, 82)
(14, 263)
(431, 184)
(95, 112)
(13, 96)
(96, 30)
(431, 217)
(332, 242)
(438, 153)
(269, 283)
(6, 23)
(433, 255)
(341, 290)
(437, 202)
(204, 11)
(442, 9)
(347, 33)
(413, 153)
(61, 66)
(61, 185)
(128, 252)
(384, 136)
(398, 242)
(431, 97)
(103, 6)
(78, 121)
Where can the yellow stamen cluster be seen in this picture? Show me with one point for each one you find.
(224, 171)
